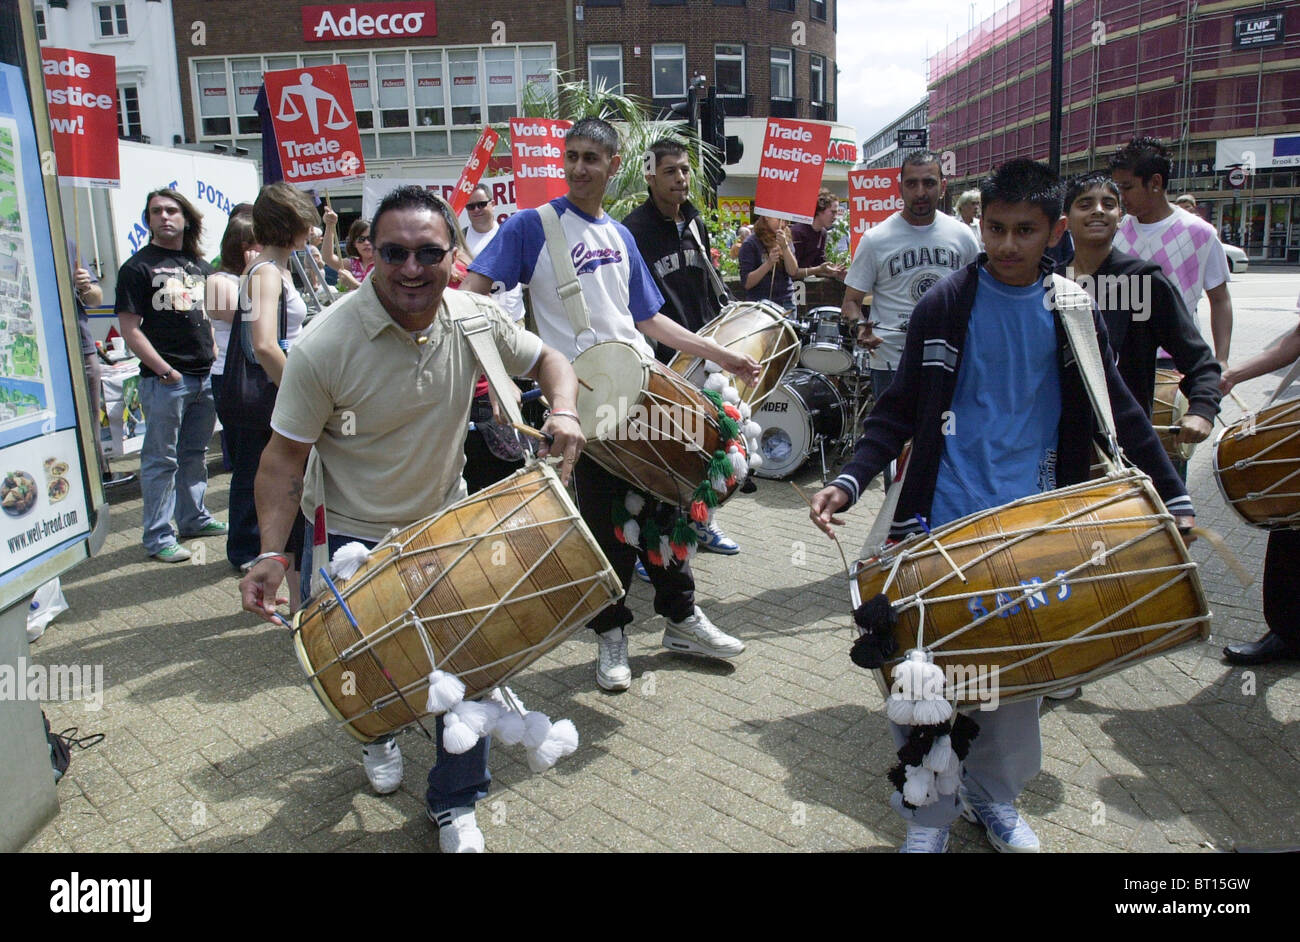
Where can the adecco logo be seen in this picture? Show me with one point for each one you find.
(327, 23)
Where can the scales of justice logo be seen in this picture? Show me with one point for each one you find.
(312, 99)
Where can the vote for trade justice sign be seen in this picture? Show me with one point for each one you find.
(537, 155)
(81, 93)
(790, 168)
(315, 125)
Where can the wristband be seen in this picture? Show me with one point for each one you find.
(567, 414)
(282, 559)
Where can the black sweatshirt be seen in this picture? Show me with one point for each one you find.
(913, 408)
(1162, 320)
(677, 265)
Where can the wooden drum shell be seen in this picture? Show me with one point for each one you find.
(1257, 466)
(751, 327)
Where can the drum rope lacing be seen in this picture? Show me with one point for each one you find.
(1254, 460)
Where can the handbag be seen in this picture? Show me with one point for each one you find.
(247, 392)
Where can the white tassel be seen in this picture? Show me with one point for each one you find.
(509, 729)
(899, 710)
(752, 430)
(737, 463)
(507, 699)
(930, 712)
(711, 367)
(347, 560)
(544, 756)
(939, 755)
(745, 411)
(716, 382)
(755, 458)
(918, 786)
(731, 395)
(480, 717)
(566, 734)
(537, 726)
(457, 737)
(445, 691)
(946, 782)
(561, 741)
(634, 503)
(719, 483)
(632, 533)
(665, 550)
(910, 676)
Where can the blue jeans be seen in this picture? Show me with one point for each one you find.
(179, 420)
(243, 539)
(455, 781)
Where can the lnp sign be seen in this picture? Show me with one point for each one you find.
(537, 151)
(1258, 30)
(474, 167)
(315, 126)
(914, 139)
(790, 168)
(501, 189)
(873, 198)
(81, 93)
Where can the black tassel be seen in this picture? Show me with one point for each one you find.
(964, 731)
(877, 618)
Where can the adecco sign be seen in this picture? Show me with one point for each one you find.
(379, 20)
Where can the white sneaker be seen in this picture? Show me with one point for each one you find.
(924, 840)
(458, 831)
(1066, 693)
(612, 672)
(383, 762)
(698, 635)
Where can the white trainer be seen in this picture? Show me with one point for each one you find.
(698, 635)
(383, 762)
(612, 672)
(458, 831)
(924, 840)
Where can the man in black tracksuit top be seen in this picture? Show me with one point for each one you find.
(1011, 419)
(672, 238)
(1143, 311)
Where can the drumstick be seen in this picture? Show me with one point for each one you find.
(533, 433)
(1237, 399)
(1228, 557)
(939, 546)
(843, 558)
(584, 385)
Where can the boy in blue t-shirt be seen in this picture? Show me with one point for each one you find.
(993, 417)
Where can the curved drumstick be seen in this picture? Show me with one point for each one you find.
(835, 538)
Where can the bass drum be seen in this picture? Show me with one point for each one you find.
(804, 408)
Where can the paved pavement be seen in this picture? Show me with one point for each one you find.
(214, 743)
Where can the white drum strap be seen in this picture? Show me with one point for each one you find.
(566, 277)
(477, 331)
(1075, 307)
(719, 288)
(1290, 377)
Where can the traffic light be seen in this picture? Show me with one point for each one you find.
(688, 111)
(713, 132)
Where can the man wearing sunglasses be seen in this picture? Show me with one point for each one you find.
(377, 395)
(482, 227)
(622, 303)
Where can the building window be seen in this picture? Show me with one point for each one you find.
(110, 20)
(394, 93)
(729, 69)
(430, 95)
(817, 84)
(214, 97)
(782, 74)
(728, 3)
(784, 5)
(363, 99)
(668, 64)
(246, 75)
(605, 67)
(41, 35)
(128, 112)
(817, 9)
(502, 84)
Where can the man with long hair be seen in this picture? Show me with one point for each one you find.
(159, 307)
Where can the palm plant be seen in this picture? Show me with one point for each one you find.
(572, 100)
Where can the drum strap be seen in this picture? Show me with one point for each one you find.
(1075, 308)
(566, 277)
(1290, 377)
(477, 331)
(715, 282)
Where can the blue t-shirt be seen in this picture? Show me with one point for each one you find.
(1000, 440)
(616, 284)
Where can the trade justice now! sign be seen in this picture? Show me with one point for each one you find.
(873, 198)
(368, 21)
(474, 168)
(315, 125)
(81, 93)
(537, 153)
(790, 168)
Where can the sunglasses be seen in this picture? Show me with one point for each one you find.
(425, 254)
(365, 239)
(479, 205)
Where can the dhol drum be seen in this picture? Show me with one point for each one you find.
(805, 408)
(758, 328)
(1257, 465)
(1167, 411)
(644, 423)
(1063, 587)
(480, 590)
(826, 349)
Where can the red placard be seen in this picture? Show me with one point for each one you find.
(368, 21)
(474, 167)
(315, 125)
(81, 91)
(790, 168)
(873, 198)
(537, 153)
